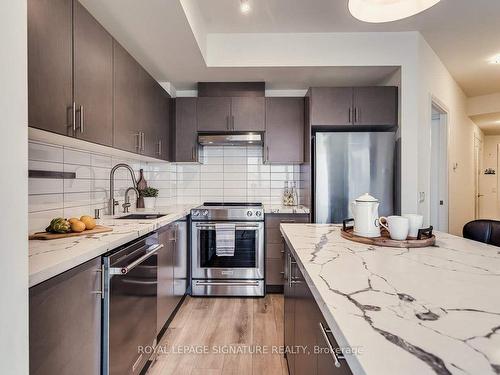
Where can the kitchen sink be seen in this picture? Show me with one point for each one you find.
(141, 216)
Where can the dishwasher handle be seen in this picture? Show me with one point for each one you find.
(150, 251)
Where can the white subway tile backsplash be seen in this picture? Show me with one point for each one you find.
(45, 186)
(45, 202)
(72, 156)
(82, 171)
(45, 166)
(76, 199)
(77, 186)
(102, 161)
(212, 168)
(233, 184)
(233, 176)
(43, 152)
(212, 177)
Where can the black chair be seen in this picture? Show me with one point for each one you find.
(486, 231)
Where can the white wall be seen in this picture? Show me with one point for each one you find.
(437, 83)
(13, 189)
(490, 202)
(479, 105)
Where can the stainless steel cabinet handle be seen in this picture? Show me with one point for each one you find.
(159, 147)
(143, 137)
(73, 110)
(101, 292)
(82, 120)
(192, 154)
(242, 226)
(355, 114)
(227, 122)
(152, 250)
(324, 331)
(289, 221)
(231, 283)
(267, 153)
(350, 115)
(138, 144)
(232, 122)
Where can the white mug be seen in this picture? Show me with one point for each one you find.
(416, 223)
(397, 226)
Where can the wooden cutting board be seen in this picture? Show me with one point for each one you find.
(55, 236)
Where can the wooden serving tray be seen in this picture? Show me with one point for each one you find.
(385, 240)
(55, 236)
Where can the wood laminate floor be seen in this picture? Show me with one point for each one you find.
(216, 325)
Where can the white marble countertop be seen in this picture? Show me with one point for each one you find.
(279, 209)
(49, 258)
(433, 310)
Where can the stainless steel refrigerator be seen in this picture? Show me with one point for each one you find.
(347, 165)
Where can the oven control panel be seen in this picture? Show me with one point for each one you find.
(233, 213)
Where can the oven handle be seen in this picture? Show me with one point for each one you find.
(224, 283)
(150, 251)
(244, 227)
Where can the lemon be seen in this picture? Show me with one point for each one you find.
(88, 221)
(77, 226)
(73, 219)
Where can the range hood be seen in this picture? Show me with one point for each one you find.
(230, 139)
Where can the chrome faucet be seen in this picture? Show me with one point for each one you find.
(127, 204)
(112, 202)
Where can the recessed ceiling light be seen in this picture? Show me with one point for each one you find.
(495, 59)
(377, 11)
(244, 6)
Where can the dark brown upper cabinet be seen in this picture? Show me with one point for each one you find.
(184, 140)
(126, 97)
(248, 114)
(50, 65)
(214, 114)
(284, 139)
(376, 106)
(330, 106)
(93, 78)
(225, 114)
(360, 106)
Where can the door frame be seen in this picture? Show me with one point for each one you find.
(444, 121)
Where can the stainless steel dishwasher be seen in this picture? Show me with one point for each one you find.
(129, 309)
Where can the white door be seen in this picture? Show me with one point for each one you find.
(439, 170)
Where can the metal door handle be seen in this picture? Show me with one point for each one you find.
(242, 226)
(150, 251)
(82, 120)
(224, 283)
(324, 331)
(74, 116)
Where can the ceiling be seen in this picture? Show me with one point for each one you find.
(463, 33)
(489, 123)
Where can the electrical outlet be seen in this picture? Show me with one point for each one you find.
(421, 197)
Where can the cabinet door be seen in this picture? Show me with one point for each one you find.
(184, 142)
(93, 78)
(65, 322)
(284, 130)
(305, 326)
(165, 298)
(331, 106)
(213, 114)
(289, 312)
(126, 100)
(376, 106)
(248, 114)
(326, 361)
(50, 65)
(180, 260)
(157, 137)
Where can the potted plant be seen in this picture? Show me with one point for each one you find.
(149, 194)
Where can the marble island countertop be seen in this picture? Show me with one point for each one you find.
(49, 258)
(280, 209)
(432, 310)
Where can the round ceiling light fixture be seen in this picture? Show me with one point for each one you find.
(378, 11)
(495, 59)
(245, 6)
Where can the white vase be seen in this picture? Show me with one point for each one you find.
(149, 202)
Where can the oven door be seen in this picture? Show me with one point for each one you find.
(248, 259)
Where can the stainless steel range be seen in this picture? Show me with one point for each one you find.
(239, 272)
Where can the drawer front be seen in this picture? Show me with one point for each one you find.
(274, 272)
(275, 250)
(274, 220)
(273, 236)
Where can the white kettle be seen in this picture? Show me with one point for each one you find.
(365, 212)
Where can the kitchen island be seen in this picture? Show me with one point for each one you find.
(432, 310)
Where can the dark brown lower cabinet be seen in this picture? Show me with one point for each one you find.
(307, 337)
(275, 250)
(65, 322)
